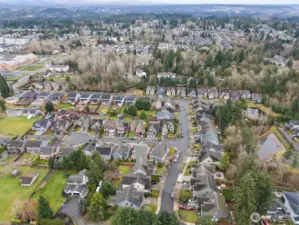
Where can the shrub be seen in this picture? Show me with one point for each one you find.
(15, 221)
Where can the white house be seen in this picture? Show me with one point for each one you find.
(140, 73)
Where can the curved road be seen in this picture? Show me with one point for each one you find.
(174, 170)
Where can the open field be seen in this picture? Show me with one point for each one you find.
(16, 126)
(33, 67)
(52, 189)
(11, 191)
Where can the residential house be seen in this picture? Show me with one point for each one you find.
(159, 153)
(44, 96)
(129, 197)
(95, 99)
(137, 126)
(42, 125)
(212, 93)
(235, 95)
(224, 94)
(165, 115)
(167, 128)
(27, 98)
(105, 150)
(130, 100)
(210, 153)
(33, 146)
(140, 151)
(181, 91)
(154, 128)
(161, 91)
(56, 98)
(110, 127)
(15, 146)
(257, 98)
(157, 104)
(106, 99)
(46, 152)
(202, 92)
(167, 75)
(67, 115)
(121, 152)
(84, 99)
(28, 179)
(170, 91)
(64, 152)
(207, 130)
(119, 100)
(83, 122)
(150, 90)
(291, 203)
(191, 92)
(140, 74)
(96, 125)
(72, 98)
(294, 124)
(139, 181)
(61, 126)
(245, 94)
(122, 127)
(76, 185)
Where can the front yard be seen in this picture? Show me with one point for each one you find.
(11, 191)
(228, 194)
(188, 216)
(52, 189)
(188, 169)
(16, 126)
(185, 195)
(150, 208)
(64, 106)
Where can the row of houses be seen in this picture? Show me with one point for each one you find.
(205, 192)
(210, 93)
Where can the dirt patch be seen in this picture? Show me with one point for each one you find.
(42, 184)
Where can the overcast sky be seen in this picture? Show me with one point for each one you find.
(208, 1)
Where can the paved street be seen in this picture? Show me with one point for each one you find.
(174, 170)
(289, 138)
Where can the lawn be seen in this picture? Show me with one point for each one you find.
(132, 134)
(52, 189)
(195, 130)
(196, 147)
(149, 114)
(188, 169)
(10, 158)
(125, 169)
(228, 194)
(188, 216)
(32, 67)
(16, 126)
(161, 170)
(116, 183)
(11, 191)
(172, 151)
(64, 106)
(150, 208)
(27, 156)
(185, 195)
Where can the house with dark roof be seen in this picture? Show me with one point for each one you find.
(130, 100)
(106, 99)
(96, 125)
(110, 127)
(140, 182)
(105, 150)
(15, 146)
(95, 99)
(129, 197)
(83, 122)
(64, 152)
(161, 91)
(55, 97)
(191, 92)
(72, 98)
(202, 92)
(61, 126)
(181, 91)
(43, 95)
(119, 100)
(154, 128)
(28, 179)
(165, 115)
(291, 203)
(46, 152)
(122, 128)
(33, 147)
(84, 99)
(42, 125)
(170, 91)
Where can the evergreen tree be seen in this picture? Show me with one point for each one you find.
(4, 88)
(143, 116)
(166, 218)
(205, 220)
(98, 206)
(44, 210)
(224, 161)
(49, 107)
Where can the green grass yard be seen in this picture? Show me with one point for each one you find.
(188, 216)
(150, 208)
(125, 169)
(11, 191)
(33, 67)
(16, 126)
(116, 183)
(64, 106)
(228, 194)
(52, 189)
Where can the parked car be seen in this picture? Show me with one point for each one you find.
(172, 194)
(182, 134)
(185, 185)
(186, 207)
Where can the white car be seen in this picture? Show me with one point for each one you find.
(172, 194)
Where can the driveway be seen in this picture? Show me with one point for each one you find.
(174, 170)
(72, 208)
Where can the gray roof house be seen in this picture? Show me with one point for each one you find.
(139, 181)
(159, 152)
(291, 202)
(130, 100)
(105, 150)
(202, 92)
(95, 99)
(106, 99)
(46, 152)
(76, 185)
(42, 125)
(191, 92)
(161, 91)
(121, 152)
(150, 90)
(119, 100)
(129, 197)
(211, 153)
(72, 98)
(165, 115)
(84, 99)
(33, 146)
(55, 97)
(181, 91)
(15, 147)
